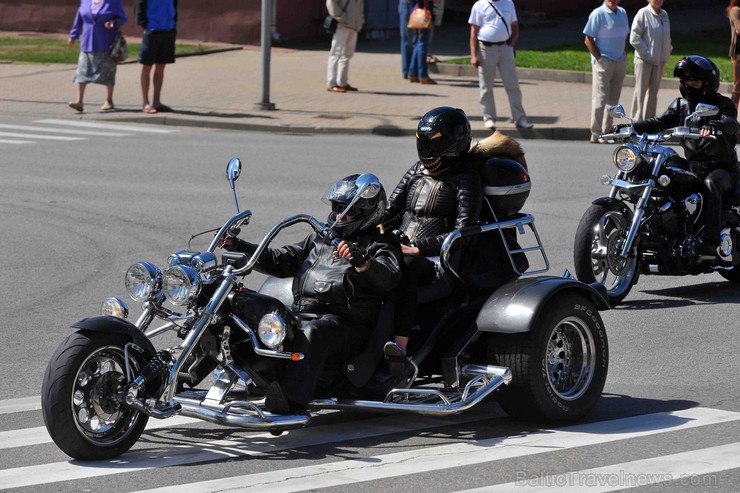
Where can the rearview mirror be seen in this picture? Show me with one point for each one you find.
(617, 111)
(233, 170)
(704, 109)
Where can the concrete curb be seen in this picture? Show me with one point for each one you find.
(550, 133)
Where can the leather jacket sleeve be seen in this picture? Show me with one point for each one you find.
(469, 201)
(397, 199)
(721, 150)
(279, 262)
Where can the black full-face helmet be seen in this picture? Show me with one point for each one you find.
(365, 214)
(695, 67)
(442, 136)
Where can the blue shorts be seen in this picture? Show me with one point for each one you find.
(157, 47)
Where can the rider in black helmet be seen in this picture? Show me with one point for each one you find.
(440, 193)
(336, 291)
(715, 160)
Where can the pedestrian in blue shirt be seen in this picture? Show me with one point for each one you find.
(158, 18)
(606, 34)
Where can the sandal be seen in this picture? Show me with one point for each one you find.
(76, 106)
(396, 359)
(149, 109)
(163, 108)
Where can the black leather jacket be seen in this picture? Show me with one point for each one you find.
(323, 283)
(426, 208)
(708, 153)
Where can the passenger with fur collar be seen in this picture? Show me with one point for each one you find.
(439, 193)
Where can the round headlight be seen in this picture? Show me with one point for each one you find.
(271, 330)
(143, 281)
(181, 285)
(625, 158)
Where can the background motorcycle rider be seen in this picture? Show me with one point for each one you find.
(336, 291)
(438, 194)
(715, 160)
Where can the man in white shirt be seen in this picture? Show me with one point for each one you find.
(494, 29)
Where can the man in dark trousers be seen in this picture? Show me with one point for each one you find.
(158, 18)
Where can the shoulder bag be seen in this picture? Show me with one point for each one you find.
(330, 23)
(420, 18)
(119, 48)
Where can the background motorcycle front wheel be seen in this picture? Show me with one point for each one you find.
(83, 419)
(559, 368)
(597, 242)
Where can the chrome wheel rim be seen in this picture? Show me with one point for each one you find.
(97, 416)
(607, 242)
(570, 358)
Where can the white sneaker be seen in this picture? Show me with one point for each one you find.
(489, 124)
(523, 123)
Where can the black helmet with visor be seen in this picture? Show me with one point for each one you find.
(365, 214)
(442, 136)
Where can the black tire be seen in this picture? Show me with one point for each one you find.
(558, 369)
(82, 419)
(594, 253)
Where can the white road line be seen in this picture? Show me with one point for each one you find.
(255, 445)
(109, 126)
(38, 435)
(685, 468)
(43, 137)
(20, 405)
(459, 454)
(62, 130)
(8, 141)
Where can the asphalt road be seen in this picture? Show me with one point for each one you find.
(75, 214)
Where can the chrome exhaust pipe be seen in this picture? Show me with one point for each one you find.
(244, 414)
(485, 379)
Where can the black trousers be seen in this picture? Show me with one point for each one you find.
(323, 339)
(718, 182)
(416, 271)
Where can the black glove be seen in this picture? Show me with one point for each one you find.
(714, 128)
(331, 237)
(359, 254)
(616, 128)
(401, 236)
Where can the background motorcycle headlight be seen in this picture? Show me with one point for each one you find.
(625, 158)
(181, 285)
(143, 281)
(271, 330)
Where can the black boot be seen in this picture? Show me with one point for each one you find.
(275, 400)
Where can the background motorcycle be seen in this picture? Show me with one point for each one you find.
(653, 217)
(542, 336)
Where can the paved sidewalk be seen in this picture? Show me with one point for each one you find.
(222, 89)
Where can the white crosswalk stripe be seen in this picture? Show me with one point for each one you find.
(683, 467)
(109, 126)
(688, 466)
(461, 454)
(76, 132)
(60, 131)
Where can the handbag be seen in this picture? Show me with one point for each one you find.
(420, 18)
(330, 24)
(119, 48)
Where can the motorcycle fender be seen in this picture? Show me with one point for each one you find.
(515, 306)
(614, 204)
(115, 324)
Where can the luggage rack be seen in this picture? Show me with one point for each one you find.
(521, 222)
